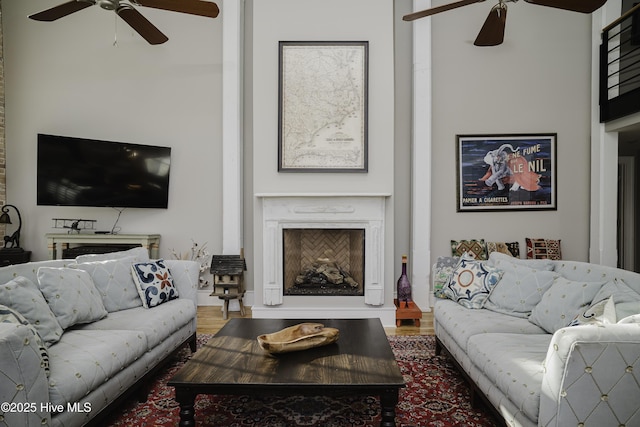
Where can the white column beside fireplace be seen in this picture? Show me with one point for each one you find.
(323, 211)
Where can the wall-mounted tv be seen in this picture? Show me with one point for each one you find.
(89, 172)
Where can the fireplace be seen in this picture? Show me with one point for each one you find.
(323, 261)
(345, 232)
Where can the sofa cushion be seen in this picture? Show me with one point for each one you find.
(29, 269)
(514, 364)
(600, 313)
(442, 271)
(626, 309)
(156, 324)
(114, 281)
(507, 248)
(83, 360)
(140, 253)
(562, 302)
(477, 249)
(462, 323)
(520, 289)
(23, 295)
(9, 315)
(71, 295)
(471, 282)
(154, 282)
(543, 249)
(626, 300)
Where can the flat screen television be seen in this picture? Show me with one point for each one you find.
(89, 172)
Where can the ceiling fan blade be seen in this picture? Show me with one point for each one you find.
(62, 10)
(192, 7)
(584, 6)
(146, 29)
(428, 12)
(492, 31)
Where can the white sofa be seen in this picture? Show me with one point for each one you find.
(92, 364)
(523, 359)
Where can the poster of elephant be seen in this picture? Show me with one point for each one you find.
(506, 172)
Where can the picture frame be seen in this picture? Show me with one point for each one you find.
(323, 106)
(508, 172)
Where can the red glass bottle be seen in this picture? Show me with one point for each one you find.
(403, 289)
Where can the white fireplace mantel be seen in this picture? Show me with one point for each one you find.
(282, 211)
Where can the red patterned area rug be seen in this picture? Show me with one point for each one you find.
(435, 396)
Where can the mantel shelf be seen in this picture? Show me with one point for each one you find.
(56, 241)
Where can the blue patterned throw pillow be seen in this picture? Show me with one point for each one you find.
(471, 283)
(154, 282)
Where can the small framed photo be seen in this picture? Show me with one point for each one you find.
(506, 172)
(322, 111)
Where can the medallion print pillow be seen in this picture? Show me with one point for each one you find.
(471, 283)
(154, 282)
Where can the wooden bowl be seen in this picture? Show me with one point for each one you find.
(298, 337)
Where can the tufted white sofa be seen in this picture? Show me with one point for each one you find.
(585, 375)
(93, 366)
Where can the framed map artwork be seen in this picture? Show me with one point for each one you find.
(322, 106)
(506, 172)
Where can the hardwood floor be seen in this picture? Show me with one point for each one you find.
(210, 321)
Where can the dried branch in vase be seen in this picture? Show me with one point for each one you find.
(199, 254)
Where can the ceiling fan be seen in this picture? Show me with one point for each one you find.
(492, 31)
(130, 15)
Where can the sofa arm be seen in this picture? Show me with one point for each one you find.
(186, 277)
(591, 376)
(23, 382)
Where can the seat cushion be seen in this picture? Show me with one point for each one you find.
(83, 360)
(513, 363)
(156, 323)
(462, 323)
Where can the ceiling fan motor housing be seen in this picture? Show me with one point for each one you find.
(108, 4)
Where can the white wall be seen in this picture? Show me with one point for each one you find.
(67, 77)
(538, 81)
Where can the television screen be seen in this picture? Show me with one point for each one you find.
(88, 172)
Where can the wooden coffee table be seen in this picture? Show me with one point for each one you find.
(360, 362)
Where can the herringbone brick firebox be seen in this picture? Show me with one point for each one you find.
(320, 261)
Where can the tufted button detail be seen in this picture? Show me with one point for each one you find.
(629, 369)
(588, 369)
(604, 398)
(19, 386)
(580, 424)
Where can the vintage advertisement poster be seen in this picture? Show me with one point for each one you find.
(506, 172)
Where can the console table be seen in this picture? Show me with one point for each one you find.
(59, 242)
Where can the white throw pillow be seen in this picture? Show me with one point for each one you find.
(22, 295)
(71, 295)
(520, 289)
(114, 281)
(562, 302)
